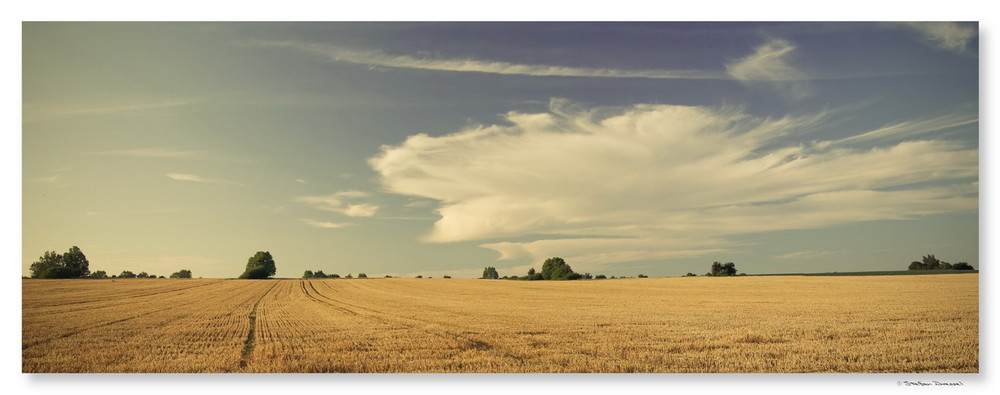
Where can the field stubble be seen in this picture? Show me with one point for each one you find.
(728, 325)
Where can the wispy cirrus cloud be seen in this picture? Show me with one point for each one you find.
(770, 66)
(950, 36)
(200, 179)
(663, 181)
(45, 111)
(339, 202)
(378, 58)
(324, 224)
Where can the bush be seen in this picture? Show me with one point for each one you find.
(446, 276)
(930, 262)
(600, 277)
(126, 274)
(362, 275)
(307, 274)
(99, 274)
(643, 276)
(183, 273)
(335, 275)
(256, 273)
(319, 274)
(690, 275)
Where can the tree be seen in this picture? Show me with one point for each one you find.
(72, 264)
(490, 273)
(307, 274)
(99, 274)
(600, 277)
(320, 274)
(446, 276)
(690, 275)
(74, 259)
(720, 270)
(335, 275)
(555, 268)
(126, 274)
(362, 275)
(183, 273)
(260, 266)
(962, 266)
(143, 275)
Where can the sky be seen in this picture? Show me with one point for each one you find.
(442, 148)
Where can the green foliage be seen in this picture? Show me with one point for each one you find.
(720, 270)
(320, 274)
(362, 275)
(348, 276)
(556, 268)
(600, 277)
(126, 274)
(183, 273)
(930, 262)
(143, 275)
(490, 273)
(260, 266)
(256, 273)
(99, 274)
(72, 264)
(446, 276)
(643, 276)
(690, 275)
(335, 275)
(307, 274)
(74, 259)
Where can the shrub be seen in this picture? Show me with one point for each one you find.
(362, 275)
(183, 273)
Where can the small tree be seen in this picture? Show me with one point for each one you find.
(600, 277)
(126, 274)
(556, 268)
(690, 275)
(183, 273)
(335, 275)
(143, 275)
(962, 266)
(490, 273)
(320, 274)
(643, 276)
(420, 276)
(98, 274)
(260, 266)
(307, 274)
(362, 275)
(446, 276)
(720, 270)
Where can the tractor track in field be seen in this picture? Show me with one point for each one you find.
(415, 324)
(179, 291)
(248, 345)
(77, 331)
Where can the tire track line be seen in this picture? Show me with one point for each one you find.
(248, 345)
(408, 322)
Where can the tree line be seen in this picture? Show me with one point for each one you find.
(320, 274)
(554, 268)
(74, 264)
(932, 263)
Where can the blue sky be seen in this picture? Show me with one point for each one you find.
(441, 148)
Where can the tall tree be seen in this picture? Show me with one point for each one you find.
(556, 268)
(261, 265)
(74, 259)
(490, 273)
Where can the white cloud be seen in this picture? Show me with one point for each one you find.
(662, 181)
(376, 58)
(324, 224)
(949, 36)
(769, 66)
(199, 179)
(338, 203)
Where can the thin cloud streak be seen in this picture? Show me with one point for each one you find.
(200, 179)
(377, 58)
(152, 153)
(324, 224)
(338, 203)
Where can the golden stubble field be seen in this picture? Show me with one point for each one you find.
(919, 323)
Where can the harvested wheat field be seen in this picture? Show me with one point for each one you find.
(747, 324)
